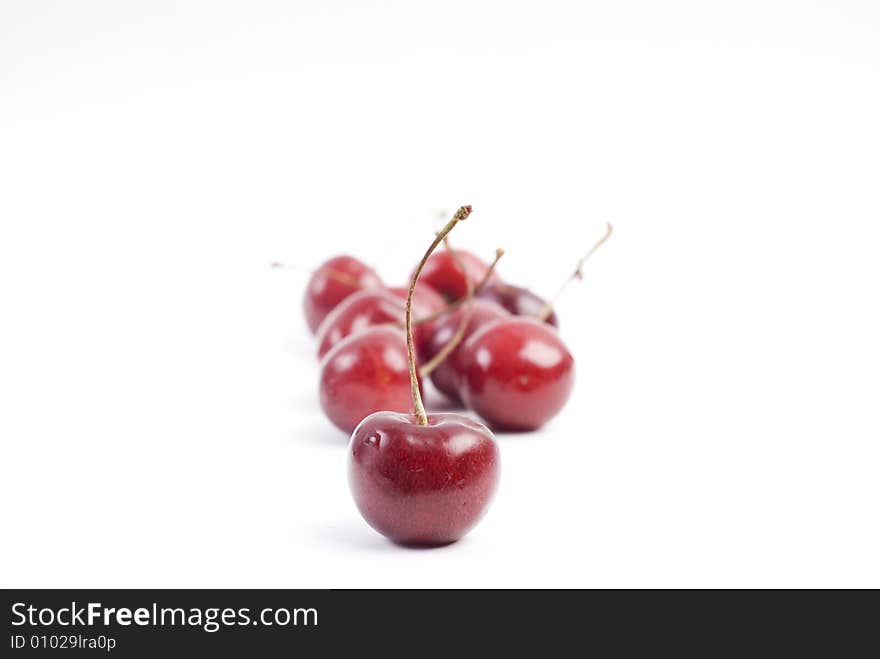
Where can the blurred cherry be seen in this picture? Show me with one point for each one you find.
(516, 374)
(365, 373)
(377, 307)
(356, 313)
(331, 283)
(446, 375)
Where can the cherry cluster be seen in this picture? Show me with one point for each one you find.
(422, 478)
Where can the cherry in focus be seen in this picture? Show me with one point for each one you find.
(442, 273)
(356, 313)
(422, 484)
(365, 373)
(517, 374)
(331, 283)
(421, 479)
(446, 375)
(518, 300)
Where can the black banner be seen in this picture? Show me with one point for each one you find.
(147, 623)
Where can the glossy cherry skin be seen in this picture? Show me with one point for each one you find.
(517, 300)
(447, 375)
(516, 374)
(443, 275)
(422, 485)
(356, 313)
(331, 283)
(365, 373)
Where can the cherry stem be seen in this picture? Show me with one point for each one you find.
(578, 273)
(336, 275)
(418, 406)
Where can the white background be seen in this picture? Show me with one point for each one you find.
(158, 407)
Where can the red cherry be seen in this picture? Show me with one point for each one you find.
(422, 479)
(356, 313)
(517, 373)
(517, 300)
(334, 281)
(422, 484)
(442, 273)
(365, 373)
(370, 308)
(446, 375)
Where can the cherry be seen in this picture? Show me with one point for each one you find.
(420, 479)
(449, 273)
(332, 282)
(422, 484)
(518, 300)
(516, 374)
(446, 374)
(377, 307)
(365, 373)
(356, 313)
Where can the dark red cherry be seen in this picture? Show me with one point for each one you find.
(517, 300)
(422, 484)
(419, 478)
(356, 313)
(446, 375)
(365, 373)
(516, 374)
(443, 274)
(331, 283)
